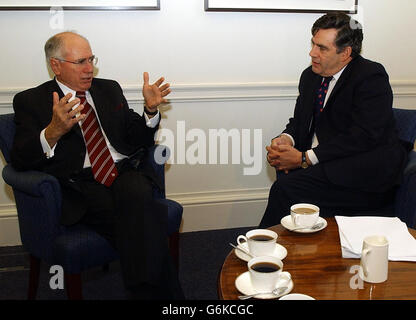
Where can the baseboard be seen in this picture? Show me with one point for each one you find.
(9, 226)
(221, 209)
(222, 216)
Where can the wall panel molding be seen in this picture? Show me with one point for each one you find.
(203, 92)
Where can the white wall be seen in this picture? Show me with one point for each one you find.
(227, 70)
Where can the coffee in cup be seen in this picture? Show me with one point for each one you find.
(304, 215)
(265, 267)
(260, 241)
(264, 272)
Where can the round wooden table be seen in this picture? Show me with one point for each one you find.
(315, 262)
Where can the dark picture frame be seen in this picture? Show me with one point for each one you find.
(304, 6)
(80, 5)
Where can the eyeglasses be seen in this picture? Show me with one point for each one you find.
(82, 62)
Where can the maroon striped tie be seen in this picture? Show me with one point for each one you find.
(102, 164)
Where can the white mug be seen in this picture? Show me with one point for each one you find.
(258, 247)
(304, 220)
(374, 259)
(264, 281)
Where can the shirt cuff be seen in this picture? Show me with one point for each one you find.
(152, 122)
(312, 157)
(291, 138)
(47, 150)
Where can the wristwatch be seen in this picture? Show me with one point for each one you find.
(304, 163)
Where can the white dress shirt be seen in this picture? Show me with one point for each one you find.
(116, 155)
(311, 154)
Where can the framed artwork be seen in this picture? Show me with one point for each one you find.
(80, 4)
(312, 6)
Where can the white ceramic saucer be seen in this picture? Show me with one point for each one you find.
(280, 252)
(297, 296)
(243, 284)
(288, 224)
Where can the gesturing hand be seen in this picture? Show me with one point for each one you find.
(63, 117)
(154, 94)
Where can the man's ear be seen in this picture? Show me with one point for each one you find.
(346, 53)
(55, 66)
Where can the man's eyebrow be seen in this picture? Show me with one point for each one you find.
(319, 45)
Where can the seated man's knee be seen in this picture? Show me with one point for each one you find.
(283, 180)
(134, 185)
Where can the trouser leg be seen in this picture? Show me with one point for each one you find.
(141, 236)
(136, 225)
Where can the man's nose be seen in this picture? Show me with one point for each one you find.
(88, 67)
(312, 53)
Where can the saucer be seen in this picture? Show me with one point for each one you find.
(288, 224)
(280, 252)
(243, 284)
(297, 296)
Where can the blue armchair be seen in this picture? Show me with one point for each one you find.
(404, 205)
(405, 202)
(75, 248)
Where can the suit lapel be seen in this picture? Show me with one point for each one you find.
(101, 106)
(341, 81)
(53, 87)
(310, 100)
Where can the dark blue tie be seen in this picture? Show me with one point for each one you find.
(319, 104)
(320, 97)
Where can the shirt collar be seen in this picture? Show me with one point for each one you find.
(65, 89)
(338, 74)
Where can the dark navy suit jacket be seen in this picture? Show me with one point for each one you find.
(126, 130)
(358, 144)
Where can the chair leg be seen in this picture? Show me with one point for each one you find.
(73, 286)
(33, 277)
(174, 248)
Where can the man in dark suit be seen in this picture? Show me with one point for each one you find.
(80, 129)
(340, 150)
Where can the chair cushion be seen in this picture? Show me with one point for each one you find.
(80, 248)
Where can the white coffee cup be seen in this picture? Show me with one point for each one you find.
(264, 281)
(374, 259)
(260, 242)
(304, 218)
